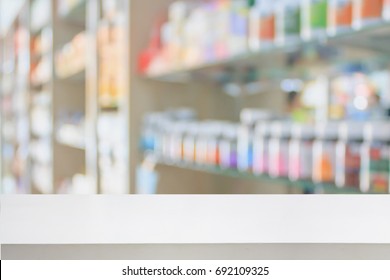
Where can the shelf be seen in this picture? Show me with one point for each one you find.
(70, 144)
(374, 38)
(77, 76)
(304, 185)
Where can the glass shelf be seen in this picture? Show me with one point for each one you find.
(374, 38)
(304, 185)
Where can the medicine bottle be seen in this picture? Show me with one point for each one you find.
(214, 136)
(249, 118)
(348, 154)
(324, 152)
(260, 148)
(367, 12)
(386, 9)
(375, 158)
(189, 143)
(314, 18)
(288, 21)
(339, 16)
(228, 146)
(301, 152)
(262, 24)
(279, 149)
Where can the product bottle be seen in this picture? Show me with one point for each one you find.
(267, 22)
(201, 143)
(176, 141)
(254, 26)
(239, 21)
(376, 158)
(348, 154)
(324, 152)
(189, 143)
(367, 12)
(228, 147)
(279, 149)
(260, 148)
(249, 118)
(301, 152)
(386, 9)
(288, 21)
(214, 136)
(339, 15)
(314, 18)
(166, 127)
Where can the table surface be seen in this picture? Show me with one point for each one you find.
(195, 219)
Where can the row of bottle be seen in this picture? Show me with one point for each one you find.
(349, 154)
(197, 32)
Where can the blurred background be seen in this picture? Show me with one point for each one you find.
(195, 97)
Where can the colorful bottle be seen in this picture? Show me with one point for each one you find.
(324, 153)
(367, 12)
(376, 158)
(301, 152)
(214, 136)
(314, 18)
(262, 24)
(348, 154)
(238, 32)
(279, 149)
(339, 15)
(260, 148)
(228, 147)
(249, 118)
(386, 9)
(189, 143)
(288, 21)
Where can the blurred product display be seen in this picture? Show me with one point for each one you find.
(118, 97)
(334, 153)
(246, 26)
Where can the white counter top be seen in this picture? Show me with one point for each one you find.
(194, 219)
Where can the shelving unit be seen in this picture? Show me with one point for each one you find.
(68, 119)
(14, 106)
(113, 96)
(41, 96)
(69, 107)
